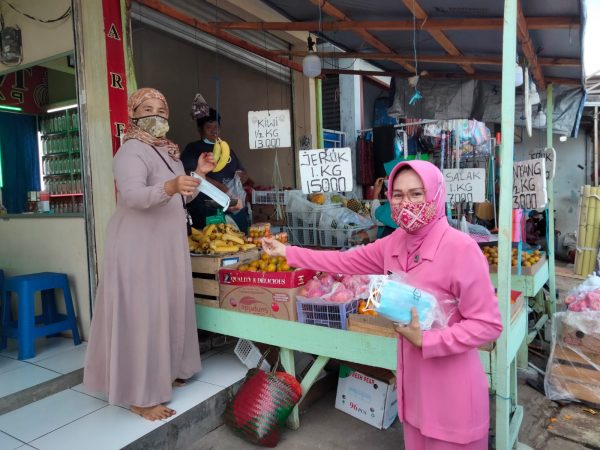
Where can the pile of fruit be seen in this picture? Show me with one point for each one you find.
(261, 230)
(218, 239)
(336, 288)
(266, 263)
(528, 258)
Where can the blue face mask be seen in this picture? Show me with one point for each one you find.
(207, 141)
(395, 300)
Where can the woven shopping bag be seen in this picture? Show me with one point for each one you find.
(262, 405)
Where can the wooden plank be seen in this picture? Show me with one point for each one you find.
(491, 60)
(528, 49)
(438, 35)
(581, 391)
(444, 75)
(566, 354)
(579, 374)
(455, 24)
(377, 351)
(379, 326)
(210, 264)
(568, 273)
(206, 287)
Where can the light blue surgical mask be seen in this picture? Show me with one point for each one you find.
(395, 300)
(208, 141)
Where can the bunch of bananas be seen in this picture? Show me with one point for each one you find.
(217, 239)
(220, 154)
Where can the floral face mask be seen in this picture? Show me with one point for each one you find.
(413, 216)
(156, 126)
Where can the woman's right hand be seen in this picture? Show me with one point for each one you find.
(273, 247)
(183, 184)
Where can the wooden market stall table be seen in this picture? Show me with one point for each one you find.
(327, 343)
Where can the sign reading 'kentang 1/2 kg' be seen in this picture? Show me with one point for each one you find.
(326, 170)
(529, 184)
(269, 129)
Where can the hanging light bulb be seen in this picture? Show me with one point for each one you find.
(518, 75)
(311, 64)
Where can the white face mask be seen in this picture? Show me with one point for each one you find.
(208, 141)
(156, 126)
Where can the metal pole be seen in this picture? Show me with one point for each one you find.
(595, 146)
(504, 369)
(319, 102)
(550, 225)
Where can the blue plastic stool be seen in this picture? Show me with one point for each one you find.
(27, 327)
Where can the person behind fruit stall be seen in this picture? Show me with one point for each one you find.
(143, 337)
(443, 398)
(208, 124)
(380, 211)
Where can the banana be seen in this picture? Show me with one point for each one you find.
(220, 154)
(233, 238)
(209, 229)
(196, 232)
(248, 246)
(227, 249)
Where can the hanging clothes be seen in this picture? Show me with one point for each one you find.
(365, 170)
(383, 148)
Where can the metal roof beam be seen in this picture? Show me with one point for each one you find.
(332, 11)
(438, 35)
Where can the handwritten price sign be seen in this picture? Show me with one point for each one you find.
(269, 129)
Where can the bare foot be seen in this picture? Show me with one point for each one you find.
(179, 382)
(157, 412)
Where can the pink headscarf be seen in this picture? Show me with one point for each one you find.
(135, 132)
(433, 182)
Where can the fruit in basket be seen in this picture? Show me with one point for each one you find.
(528, 258)
(318, 198)
(266, 264)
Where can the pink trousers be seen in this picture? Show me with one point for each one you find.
(414, 440)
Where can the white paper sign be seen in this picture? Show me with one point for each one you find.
(326, 170)
(550, 155)
(269, 129)
(529, 184)
(465, 185)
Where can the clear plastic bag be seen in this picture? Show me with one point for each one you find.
(586, 296)
(573, 371)
(392, 297)
(236, 190)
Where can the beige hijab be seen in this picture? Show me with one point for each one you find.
(135, 132)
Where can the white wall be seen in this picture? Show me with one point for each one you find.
(49, 245)
(571, 173)
(41, 41)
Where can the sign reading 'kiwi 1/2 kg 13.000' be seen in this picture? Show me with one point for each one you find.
(529, 184)
(326, 170)
(269, 129)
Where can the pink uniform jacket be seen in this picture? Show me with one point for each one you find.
(442, 388)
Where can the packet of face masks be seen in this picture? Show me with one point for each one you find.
(393, 298)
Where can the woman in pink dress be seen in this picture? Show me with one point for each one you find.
(443, 398)
(143, 337)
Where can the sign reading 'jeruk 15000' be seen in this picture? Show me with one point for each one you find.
(326, 170)
(529, 184)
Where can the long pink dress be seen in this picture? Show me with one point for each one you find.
(442, 388)
(143, 333)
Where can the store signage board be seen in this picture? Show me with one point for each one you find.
(550, 155)
(465, 185)
(326, 170)
(269, 129)
(529, 184)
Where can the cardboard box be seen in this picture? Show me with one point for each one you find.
(368, 394)
(270, 294)
(205, 270)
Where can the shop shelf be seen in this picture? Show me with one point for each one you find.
(316, 311)
(271, 197)
(76, 194)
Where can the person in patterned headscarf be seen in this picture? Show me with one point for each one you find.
(143, 337)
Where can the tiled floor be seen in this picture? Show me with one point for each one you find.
(72, 417)
(53, 357)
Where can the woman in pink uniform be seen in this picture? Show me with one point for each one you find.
(443, 398)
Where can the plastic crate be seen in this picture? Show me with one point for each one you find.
(303, 236)
(271, 197)
(316, 311)
(344, 238)
(249, 354)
